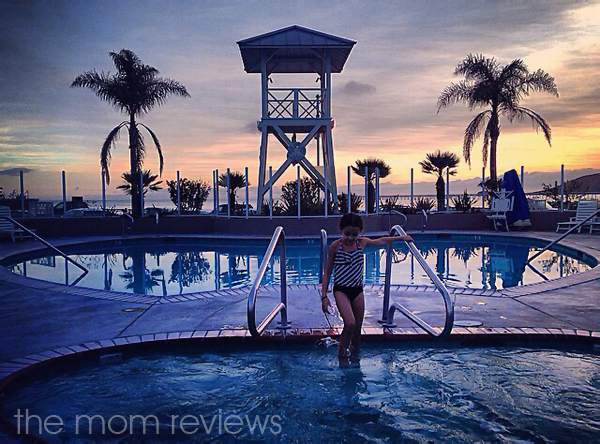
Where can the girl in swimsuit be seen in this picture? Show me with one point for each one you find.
(345, 258)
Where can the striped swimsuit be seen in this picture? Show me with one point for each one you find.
(348, 269)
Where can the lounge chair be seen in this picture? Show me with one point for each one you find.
(501, 206)
(6, 226)
(585, 208)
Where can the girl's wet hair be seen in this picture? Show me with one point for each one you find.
(351, 220)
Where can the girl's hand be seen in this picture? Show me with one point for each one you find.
(326, 305)
(406, 238)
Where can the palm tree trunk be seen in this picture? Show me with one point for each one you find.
(138, 270)
(440, 193)
(494, 134)
(493, 171)
(371, 191)
(231, 203)
(136, 209)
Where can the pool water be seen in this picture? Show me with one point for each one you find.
(167, 269)
(301, 394)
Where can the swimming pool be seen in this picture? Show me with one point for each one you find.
(300, 393)
(182, 265)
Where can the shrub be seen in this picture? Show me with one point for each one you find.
(355, 202)
(423, 203)
(309, 197)
(192, 193)
(463, 203)
(276, 207)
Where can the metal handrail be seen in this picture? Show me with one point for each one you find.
(396, 213)
(322, 254)
(282, 305)
(562, 237)
(388, 311)
(52, 247)
(424, 220)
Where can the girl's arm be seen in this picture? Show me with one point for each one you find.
(366, 242)
(327, 274)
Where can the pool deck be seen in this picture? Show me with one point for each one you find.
(41, 320)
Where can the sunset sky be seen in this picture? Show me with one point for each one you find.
(384, 102)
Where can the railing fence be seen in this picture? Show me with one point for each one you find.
(558, 197)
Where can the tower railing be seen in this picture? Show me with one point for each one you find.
(295, 103)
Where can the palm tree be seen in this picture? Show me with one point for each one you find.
(501, 88)
(149, 182)
(437, 163)
(134, 89)
(236, 180)
(367, 168)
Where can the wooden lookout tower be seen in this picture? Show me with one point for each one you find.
(296, 116)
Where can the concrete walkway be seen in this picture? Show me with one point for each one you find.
(40, 320)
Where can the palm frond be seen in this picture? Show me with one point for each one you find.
(427, 167)
(473, 132)
(487, 136)
(236, 180)
(437, 162)
(105, 154)
(455, 93)
(158, 91)
(477, 68)
(161, 160)
(537, 121)
(369, 166)
(514, 72)
(148, 182)
(540, 81)
(134, 88)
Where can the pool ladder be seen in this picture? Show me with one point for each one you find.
(554, 242)
(52, 247)
(387, 319)
(281, 307)
(388, 309)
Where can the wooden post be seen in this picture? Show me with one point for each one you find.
(247, 192)
(562, 187)
(270, 192)
(179, 194)
(298, 188)
(377, 190)
(349, 193)
(412, 196)
(103, 190)
(64, 192)
(228, 199)
(22, 189)
(366, 190)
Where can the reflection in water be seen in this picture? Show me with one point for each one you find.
(564, 265)
(506, 262)
(175, 269)
(139, 278)
(189, 268)
(465, 253)
(237, 272)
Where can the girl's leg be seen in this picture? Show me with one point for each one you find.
(345, 309)
(358, 310)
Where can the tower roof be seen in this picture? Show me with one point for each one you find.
(295, 49)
